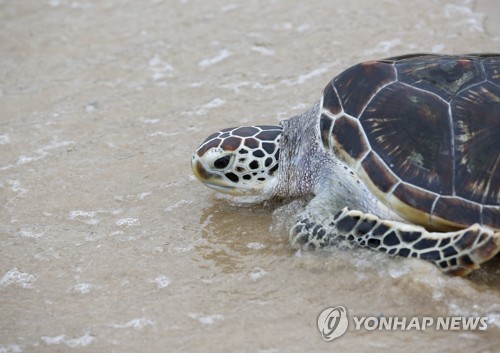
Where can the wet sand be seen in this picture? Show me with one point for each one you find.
(109, 244)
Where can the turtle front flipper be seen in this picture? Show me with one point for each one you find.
(456, 253)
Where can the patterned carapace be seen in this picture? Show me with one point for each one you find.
(423, 131)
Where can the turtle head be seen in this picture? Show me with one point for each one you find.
(239, 161)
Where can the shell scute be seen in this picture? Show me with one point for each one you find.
(350, 140)
(491, 216)
(492, 68)
(331, 100)
(378, 173)
(456, 211)
(444, 76)
(357, 85)
(476, 113)
(410, 130)
(325, 128)
(418, 199)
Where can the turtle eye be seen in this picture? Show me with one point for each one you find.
(222, 162)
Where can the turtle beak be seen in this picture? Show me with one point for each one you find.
(199, 171)
(210, 179)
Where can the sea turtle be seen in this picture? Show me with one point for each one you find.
(401, 155)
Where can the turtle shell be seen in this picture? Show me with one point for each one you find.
(423, 132)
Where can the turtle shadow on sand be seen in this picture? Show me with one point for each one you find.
(232, 232)
(488, 274)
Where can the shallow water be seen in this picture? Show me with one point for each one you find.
(107, 241)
